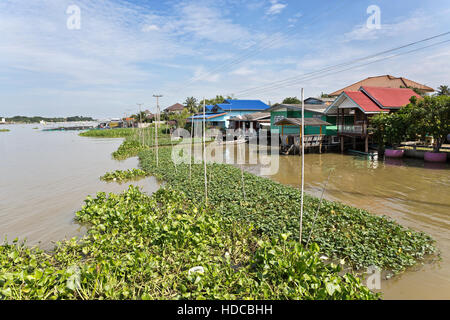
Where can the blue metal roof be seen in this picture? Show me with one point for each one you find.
(253, 105)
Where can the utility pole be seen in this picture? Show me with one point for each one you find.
(302, 132)
(156, 126)
(140, 117)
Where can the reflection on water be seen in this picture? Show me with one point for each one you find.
(414, 193)
(45, 177)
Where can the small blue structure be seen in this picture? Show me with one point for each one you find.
(218, 115)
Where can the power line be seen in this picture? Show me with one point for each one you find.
(329, 68)
(257, 50)
(313, 77)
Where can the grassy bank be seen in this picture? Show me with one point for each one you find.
(142, 247)
(341, 231)
(4, 130)
(136, 139)
(109, 133)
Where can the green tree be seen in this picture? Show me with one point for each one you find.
(191, 103)
(391, 129)
(291, 100)
(217, 100)
(430, 117)
(181, 118)
(443, 91)
(141, 117)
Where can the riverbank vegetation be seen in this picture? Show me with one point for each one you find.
(5, 130)
(242, 245)
(123, 175)
(37, 119)
(167, 247)
(422, 118)
(342, 232)
(109, 133)
(137, 139)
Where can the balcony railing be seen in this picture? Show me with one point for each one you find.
(352, 128)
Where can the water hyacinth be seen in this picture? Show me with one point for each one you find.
(124, 175)
(341, 231)
(142, 247)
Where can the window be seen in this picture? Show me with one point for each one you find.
(278, 118)
(334, 139)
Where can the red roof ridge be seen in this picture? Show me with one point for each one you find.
(389, 97)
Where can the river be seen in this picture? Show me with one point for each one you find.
(413, 193)
(45, 177)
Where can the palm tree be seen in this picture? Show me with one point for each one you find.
(443, 91)
(191, 104)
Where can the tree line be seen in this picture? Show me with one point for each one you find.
(37, 119)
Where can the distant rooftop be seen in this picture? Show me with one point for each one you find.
(385, 81)
(235, 105)
(175, 107)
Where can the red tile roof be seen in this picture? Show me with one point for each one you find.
(390, 97)
(363, 101)
(385, 81)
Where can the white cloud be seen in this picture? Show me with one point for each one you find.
(276, 7)
(152, 27)
(243, 71)
(417, 21)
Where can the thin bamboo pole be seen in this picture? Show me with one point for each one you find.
(243, 183)
(318, 208)
(190, 150)
(303, 166)
(204, 151)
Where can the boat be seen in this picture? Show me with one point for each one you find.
(392, 153)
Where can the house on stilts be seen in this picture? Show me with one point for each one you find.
(354, 109)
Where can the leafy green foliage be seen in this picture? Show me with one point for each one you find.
(129, 148)
(422, 117)
(291, 100)
(122, 176)
(390, 129)
(341, 231)
(4, 130)
(443, 90)
(141, 247)
(430, 116)
(191, 104)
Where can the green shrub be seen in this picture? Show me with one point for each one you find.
(122, 176)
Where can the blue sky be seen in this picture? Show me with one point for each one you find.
(126, 51)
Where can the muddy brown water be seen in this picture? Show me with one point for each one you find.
(413, 193)
(45, 178)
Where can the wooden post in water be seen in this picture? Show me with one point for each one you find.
(302, 132)
(366, 144)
